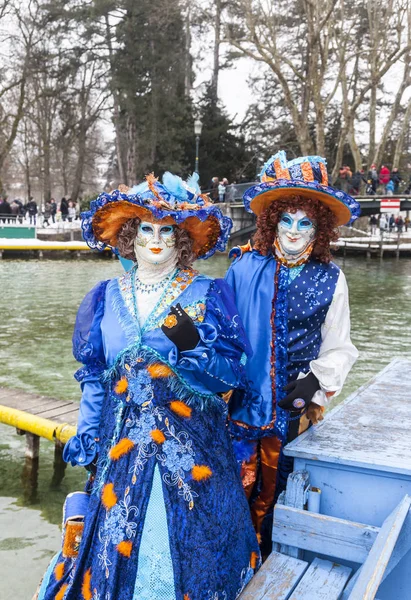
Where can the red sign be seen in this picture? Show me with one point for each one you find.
(390, 205)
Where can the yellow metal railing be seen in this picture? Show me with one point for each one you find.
(42, 427)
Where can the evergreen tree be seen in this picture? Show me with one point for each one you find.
(223, 151)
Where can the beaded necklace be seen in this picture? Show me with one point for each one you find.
(149, 288)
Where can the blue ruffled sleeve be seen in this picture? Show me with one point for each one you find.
(88, 349)
(218, 361)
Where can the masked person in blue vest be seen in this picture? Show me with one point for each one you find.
(293, 302)
(165, 515)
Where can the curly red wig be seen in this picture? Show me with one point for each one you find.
(327, 232)
(184, 243)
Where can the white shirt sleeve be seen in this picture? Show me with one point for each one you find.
(337, 353)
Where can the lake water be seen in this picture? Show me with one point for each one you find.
(39, 300)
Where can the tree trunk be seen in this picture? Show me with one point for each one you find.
(81, 155)
(373, 117)
(354, 147)
(400, 141)
(120, 146)
(216, 61)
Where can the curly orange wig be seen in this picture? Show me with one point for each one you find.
(327, 232)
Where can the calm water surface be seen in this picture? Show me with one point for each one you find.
(39, 302)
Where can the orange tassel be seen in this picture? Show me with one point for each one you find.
(123, 447)
(59, 571)
(158, 436)
(108, 496)
(62, 591)
(86, 587)
(181, 409)
(158, 370)
(125, 548)
(121, 386)
(200, 472)
(186, 597)
(253, 560)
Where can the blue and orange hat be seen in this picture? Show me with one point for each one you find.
(305, 176)
(174, 201)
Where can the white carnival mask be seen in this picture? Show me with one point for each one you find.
(296, 231)
(155, 243)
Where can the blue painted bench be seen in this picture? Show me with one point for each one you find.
(288, 574)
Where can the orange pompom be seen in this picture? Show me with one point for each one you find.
(59, 571)
(125, 548)
(108, 496)
(158, 370)
(253, 560)
(61, 593)
(181, 409)
(86, 587)
(121, 386)
(123, 447)
(186, 597)
(158, 436)
(200, 472)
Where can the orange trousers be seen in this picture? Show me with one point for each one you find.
(261, 466)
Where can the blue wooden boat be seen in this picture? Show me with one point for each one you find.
(342, 529)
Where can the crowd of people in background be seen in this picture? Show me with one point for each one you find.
(386, 223)
(45, 215)
(384, 181)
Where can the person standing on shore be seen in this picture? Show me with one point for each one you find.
(32, 210)
(293, 302)
(64, 209)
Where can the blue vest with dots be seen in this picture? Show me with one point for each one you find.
(309, 297)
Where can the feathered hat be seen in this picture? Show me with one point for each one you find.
(305, 176)
(174, 201)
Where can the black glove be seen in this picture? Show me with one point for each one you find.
(180, 329)
(301, 392)
(92, 467)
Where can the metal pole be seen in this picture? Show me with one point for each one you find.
(197, 149)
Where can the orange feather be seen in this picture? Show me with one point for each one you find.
(59, 571)
(61, 592)
(125, 548)
(121, 386)
(158, 436)
(108, 496)
(253, 560)
(181, 409)
(200, 472)
(123, 447)
(158, 370)
(186, 597)
(86, 587)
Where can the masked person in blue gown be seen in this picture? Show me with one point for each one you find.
(165, 515)
(294, 305)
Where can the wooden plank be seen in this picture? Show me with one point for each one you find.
(378, 430)
(57, 414)
(402, 547)
(323, 534)
(295, 494)
(372, 572)
(276, 579)
(323, 580)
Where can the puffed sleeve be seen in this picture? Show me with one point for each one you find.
(88, 349)
(218, 361)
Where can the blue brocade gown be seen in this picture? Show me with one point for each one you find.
(167, 516)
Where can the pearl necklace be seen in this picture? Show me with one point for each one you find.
(149, 288)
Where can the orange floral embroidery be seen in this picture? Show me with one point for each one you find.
(170, 321)
(307, 171)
